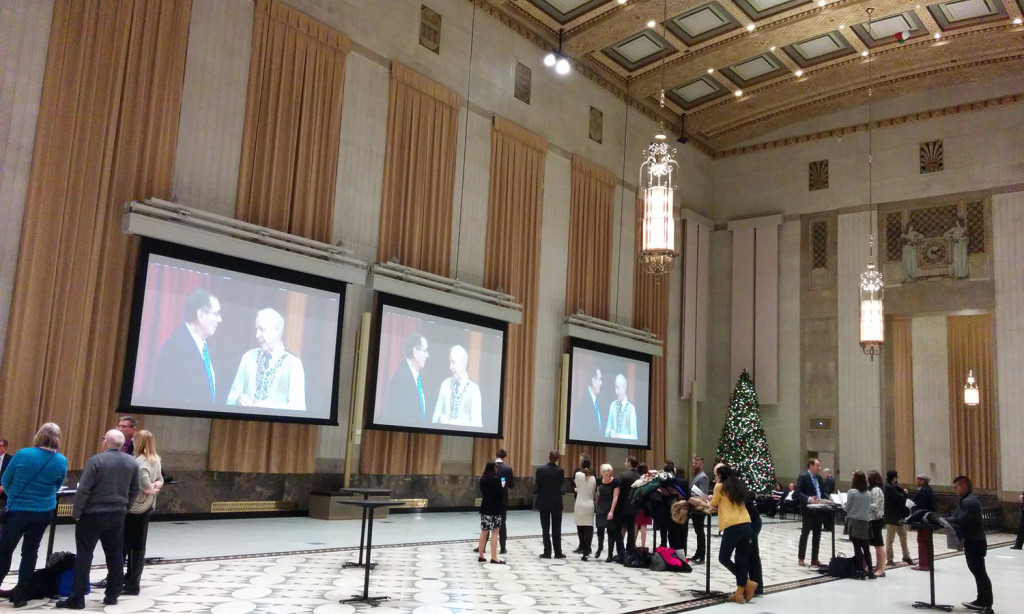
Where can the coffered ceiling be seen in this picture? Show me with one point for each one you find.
(738, 69)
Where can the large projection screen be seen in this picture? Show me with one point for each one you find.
(215, 336)
(438, 370)
(609, 396)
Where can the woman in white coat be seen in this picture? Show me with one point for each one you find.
(583, 512)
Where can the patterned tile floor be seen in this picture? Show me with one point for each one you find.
(295, 565)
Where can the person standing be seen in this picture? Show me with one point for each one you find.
(5, 459)
(127, 426)
(968, 521)
(625, 511)
(829, 482)
(548, 484)
(583, 510)
(702, 483)
(31, 482)
(109, 482)
(490, 512)
(508, 480)
(858, 517)
(604, 508)
(895, 510)
(734, 523)
(809, 490)
(136, 523)
(876, 514)
(756, 572)
(924, 500)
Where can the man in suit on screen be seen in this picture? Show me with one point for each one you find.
(586, 416)
(405, 399)
(184, 371)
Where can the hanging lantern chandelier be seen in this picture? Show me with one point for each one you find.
(872, 283)
(971, 394)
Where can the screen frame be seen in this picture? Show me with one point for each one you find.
(576, 342)
(150, 246)
(373, 364)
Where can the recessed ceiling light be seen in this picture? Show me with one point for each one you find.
(711, 70)
(1017, 21)
(622, 1)
(739, 93)
(799, 73)
(864, 53)
(821, 2)
(772, 48)
(750, 27)
(842, 27)
(938, 35)
(651, 23)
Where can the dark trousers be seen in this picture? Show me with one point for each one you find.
(1020, 532)
(136, 531)
(974, 552)
(28, 525)
(502, 531)
(627, 522)
(754, 564)
(862, 554)
(698, 521)
(108, 529)
(551, 529)
(736, 539)
(810, 523)
(924, 547)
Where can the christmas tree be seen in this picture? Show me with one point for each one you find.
(743, 444)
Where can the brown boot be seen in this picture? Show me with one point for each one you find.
(748, 590)
(737, 597)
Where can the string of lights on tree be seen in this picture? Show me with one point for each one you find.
(743, 444)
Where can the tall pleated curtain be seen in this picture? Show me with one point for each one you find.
(515, 212)
(415, 228)
(903, 396)
(286, 182)
(588, 279)
(650, 311)
(107, 133)
(973, 430)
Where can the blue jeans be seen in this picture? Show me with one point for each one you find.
(736, 538)
(31, 526)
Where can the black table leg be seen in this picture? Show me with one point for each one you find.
(833, 533)
(362, 535)
(53, 530)
(931, 581)
(365, 597)
(707, 592)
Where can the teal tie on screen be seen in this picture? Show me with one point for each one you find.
(598, 412)
(209, 373)
(423, 402)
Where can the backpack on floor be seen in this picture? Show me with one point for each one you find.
(45, 582)
(841, 567)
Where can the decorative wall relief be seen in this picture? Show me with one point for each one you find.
(817, 175)
(934, 241)
(596, 125)
(430, 29)
(524, 82)
(931, 157)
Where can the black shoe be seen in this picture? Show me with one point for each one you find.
(908, 560)
(480, 559)
(101, 584)
(1015, 547)
(503, 551)
(578, 550)
(546, 555)
(696, 561)
(130, 590)
(71, 604)
(497, 562)
(110, 600)
(617, 558)
(973, 605)
(597, 554)
(559, 556)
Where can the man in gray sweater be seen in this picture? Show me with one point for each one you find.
(109, 483)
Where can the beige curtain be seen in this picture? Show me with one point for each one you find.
(286, 182)
(973, 431)
(650, 311)
(903, 397)
(415, 227)
(107, 132)
(515, 207)
(588, 279)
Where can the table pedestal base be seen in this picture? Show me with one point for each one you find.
(358, 564)
(374, 601)
(707, 592)
(932, 606)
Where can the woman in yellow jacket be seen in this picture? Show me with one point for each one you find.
(734, 524)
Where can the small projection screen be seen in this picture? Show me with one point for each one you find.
(609, 396)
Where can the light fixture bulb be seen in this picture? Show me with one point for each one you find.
(864, 53)
(938, 35)
(622, 1)
(711, 70)
(772, 48)
(842, 27)
(550, 59)
(1017, 21)
(739, 93)
(562, 66)
(651, 23)
(750, 27)
(799, 73)
(821, 2)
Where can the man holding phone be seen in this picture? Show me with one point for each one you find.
(508, 481)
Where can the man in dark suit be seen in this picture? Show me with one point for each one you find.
(508, 480)
(548, 484)
(586, 416)
(5, 459)
(809, 489)
(625, 511)
(830, 482)
(184, 371)
(406, 402)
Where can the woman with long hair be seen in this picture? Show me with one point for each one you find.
(734, 522)
(604, 508)
(136, 522)
(583, 511)
(858, 519)
(31, 482)
(490, 512)
(877, 520)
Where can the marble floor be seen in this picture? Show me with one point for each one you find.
(425, 564)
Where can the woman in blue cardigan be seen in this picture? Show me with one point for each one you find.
(31, 482)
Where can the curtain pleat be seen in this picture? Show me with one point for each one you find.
(650, 311)
(106, 134)
(515, 207)
(588, 278)
(286, 182)
(903, 397)
(973, 431)
(415, 228)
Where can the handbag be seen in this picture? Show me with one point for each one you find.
(3, 512)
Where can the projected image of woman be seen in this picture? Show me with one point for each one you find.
(621, 414)
(269, 375)
(458, 402)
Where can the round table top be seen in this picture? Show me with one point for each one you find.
(365, 491)
(373, 502)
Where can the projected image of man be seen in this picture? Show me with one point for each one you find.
(269, 375)
(184, 371)
(586, 417)
(621, 414)
(458, 402)
(405, 400)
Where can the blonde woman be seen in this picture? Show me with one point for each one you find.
(606, 498)
(136, 522)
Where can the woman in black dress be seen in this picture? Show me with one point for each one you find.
(490, 512)
(604, 506)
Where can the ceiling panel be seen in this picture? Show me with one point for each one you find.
(702, 23)
(640, 50)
